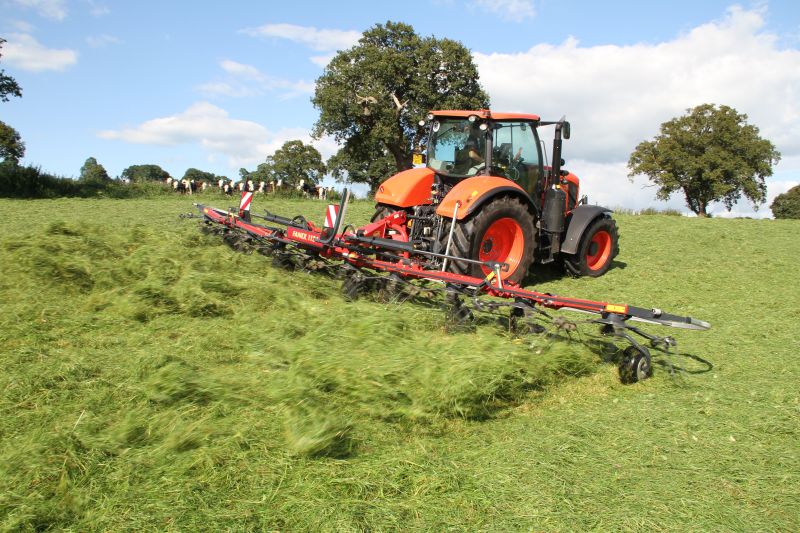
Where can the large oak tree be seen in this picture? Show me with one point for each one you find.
(372, 96)
(711, 154)
(787, 205)
(294, 161)
(144, 173)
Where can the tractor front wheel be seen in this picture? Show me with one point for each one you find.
(501, 231)
(598, 247)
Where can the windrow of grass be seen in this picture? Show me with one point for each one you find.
(155, 379)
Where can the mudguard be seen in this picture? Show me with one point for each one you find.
(407, 189)
(578, 221)
(473, 192)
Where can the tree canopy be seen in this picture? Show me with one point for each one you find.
(372, 96)
(144, 173)
(8, 85)
(292, 162)
(94, 172)
(711, 154)
(787, 205)
(263, 172)
(199, 175)
(370, 164)
(12, 149)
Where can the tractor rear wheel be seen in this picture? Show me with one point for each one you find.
(598, 247)
(501, 231)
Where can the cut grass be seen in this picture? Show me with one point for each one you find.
(157, 380)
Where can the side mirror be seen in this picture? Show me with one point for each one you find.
(565, 130)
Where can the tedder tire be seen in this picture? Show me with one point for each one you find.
(502, 231)
(598, 247)
(635, 365)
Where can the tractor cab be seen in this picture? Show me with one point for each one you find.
(464, 144)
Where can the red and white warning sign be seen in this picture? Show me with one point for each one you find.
(331, 215)
(244, 204)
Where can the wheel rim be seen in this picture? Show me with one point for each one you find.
(503, 242)
(599, 250)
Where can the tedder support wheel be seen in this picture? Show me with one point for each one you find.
(502, 231)
(598, 247)
(635, 365)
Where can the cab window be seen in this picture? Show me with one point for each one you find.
(515, 152)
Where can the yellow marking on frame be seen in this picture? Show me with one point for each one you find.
(615, 308)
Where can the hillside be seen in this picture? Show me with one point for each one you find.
(156, 380)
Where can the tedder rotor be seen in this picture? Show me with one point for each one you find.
(385, 254)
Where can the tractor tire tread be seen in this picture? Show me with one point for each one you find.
(575, 265)
(465, 230)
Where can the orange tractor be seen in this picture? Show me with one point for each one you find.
(488, 195)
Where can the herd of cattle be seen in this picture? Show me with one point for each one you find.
(310, 190)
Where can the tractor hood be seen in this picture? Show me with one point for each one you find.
(407, 189)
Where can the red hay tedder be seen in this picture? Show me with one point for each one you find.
(471, 222)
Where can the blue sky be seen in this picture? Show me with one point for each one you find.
(218, 86)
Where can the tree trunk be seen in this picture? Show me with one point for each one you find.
(402, 160)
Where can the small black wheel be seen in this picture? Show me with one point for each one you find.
(598, 247)
(635, 365)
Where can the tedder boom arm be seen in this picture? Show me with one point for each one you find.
(369, 251)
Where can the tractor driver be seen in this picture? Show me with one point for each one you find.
(469, 156)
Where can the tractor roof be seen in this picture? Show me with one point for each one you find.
(485, 113)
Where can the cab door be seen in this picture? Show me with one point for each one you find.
(516, 154)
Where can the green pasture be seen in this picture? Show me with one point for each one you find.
(155, 380)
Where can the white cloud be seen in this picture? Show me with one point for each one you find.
(516, 10)
(243, 142)
(247, 80)
(322, 40)
(242, 70)
(231, 90)
(26, 53)
(617, 96)
(22, 26)
(323, 60)
(99, 41)
(98, 10)
(51, 9)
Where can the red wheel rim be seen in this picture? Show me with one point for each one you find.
(599, 250)
(503, 242)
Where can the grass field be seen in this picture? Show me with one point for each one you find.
(155, 380)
